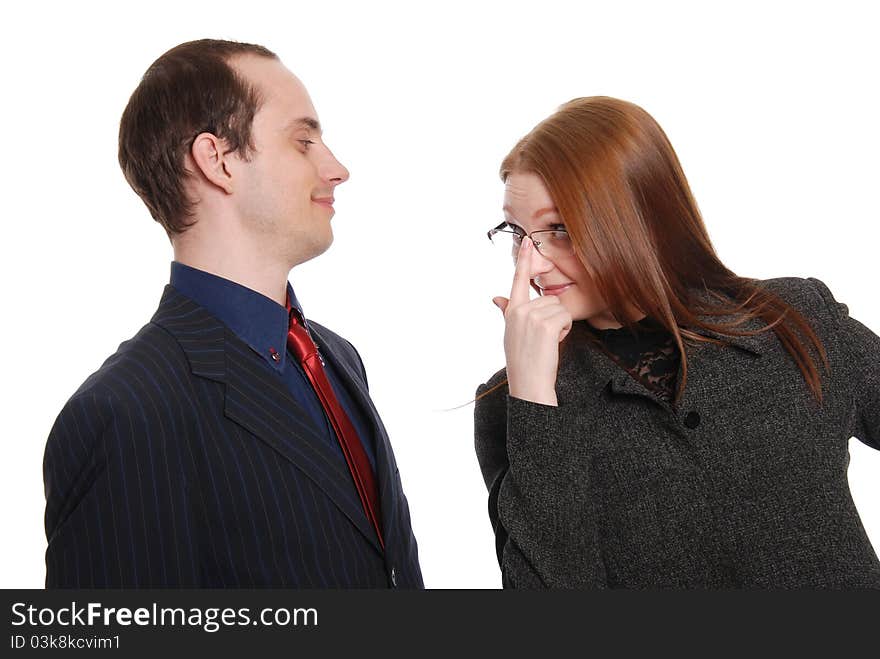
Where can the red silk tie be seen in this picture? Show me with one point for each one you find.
(300, 343)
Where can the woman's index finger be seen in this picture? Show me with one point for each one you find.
(519, 292)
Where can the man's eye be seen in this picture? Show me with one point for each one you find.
(306, 143)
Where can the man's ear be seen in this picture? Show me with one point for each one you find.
(208, 154)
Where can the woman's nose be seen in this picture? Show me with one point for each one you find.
(540, 264)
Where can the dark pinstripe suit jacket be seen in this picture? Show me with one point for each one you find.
(184, 462)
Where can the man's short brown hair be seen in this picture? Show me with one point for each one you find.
(189, 90)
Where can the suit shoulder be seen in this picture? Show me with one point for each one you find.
(149, 360)
(139, 387)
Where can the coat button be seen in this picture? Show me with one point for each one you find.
(692, 420)
(393, 577)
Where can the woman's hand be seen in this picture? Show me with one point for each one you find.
(532, 334)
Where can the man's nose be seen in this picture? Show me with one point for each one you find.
(332, 171)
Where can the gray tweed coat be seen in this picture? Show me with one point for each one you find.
(743, 485)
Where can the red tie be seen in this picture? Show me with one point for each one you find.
(300, 343)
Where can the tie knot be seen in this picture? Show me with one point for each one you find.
(298, 339)
(294, 315)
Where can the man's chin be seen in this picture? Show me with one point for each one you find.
(312, 250)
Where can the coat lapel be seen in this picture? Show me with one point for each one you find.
(258, 401)
(583, 369)
(703, 362)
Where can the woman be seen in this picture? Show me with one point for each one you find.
(661, 421)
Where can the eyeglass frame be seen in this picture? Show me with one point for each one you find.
(500, 229)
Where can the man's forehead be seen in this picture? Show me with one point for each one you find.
(285, 104)
(277, 85)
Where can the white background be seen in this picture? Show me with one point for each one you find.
(772, 108)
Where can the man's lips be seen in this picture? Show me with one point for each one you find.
(324, 201)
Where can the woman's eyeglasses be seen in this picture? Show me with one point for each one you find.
(550, 243)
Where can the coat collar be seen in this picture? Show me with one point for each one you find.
(586, 370)
(259, 401)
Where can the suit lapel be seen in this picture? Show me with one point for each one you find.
(385, 464)
(259, 401)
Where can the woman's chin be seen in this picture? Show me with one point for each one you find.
(602, 320)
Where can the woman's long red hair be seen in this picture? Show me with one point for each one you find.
(623, 197)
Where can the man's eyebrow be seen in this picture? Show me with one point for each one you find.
(305, 122)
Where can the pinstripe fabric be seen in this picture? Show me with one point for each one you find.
(184, 462)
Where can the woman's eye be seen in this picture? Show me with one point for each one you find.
(306, 143)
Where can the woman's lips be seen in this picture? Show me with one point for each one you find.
(555, 290)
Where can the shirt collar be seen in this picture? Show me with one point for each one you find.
(256, 319)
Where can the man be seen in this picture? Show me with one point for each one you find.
(231, 442)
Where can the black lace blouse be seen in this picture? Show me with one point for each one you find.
(648, 354)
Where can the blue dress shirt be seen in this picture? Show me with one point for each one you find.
(262, 324)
